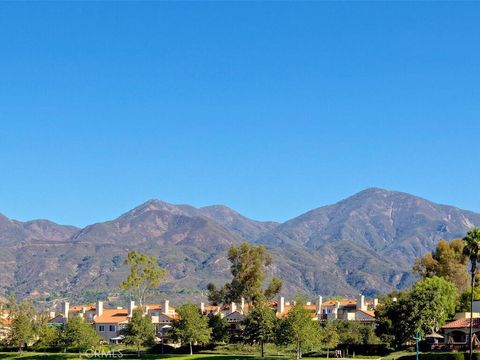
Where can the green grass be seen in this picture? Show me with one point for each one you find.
(396, 355)
(70, 356)
(32, 355)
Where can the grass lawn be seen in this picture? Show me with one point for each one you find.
(32, 355)
(47, 356)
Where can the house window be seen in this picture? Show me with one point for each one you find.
(101, 328)
(111, 328)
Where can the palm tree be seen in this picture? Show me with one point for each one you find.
(472, 250)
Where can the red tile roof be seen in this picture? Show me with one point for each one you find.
(112, 316)
(462, 323)
(343, 302)
(158, 307)
(368, 312)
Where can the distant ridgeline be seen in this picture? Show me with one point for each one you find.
(365, 244)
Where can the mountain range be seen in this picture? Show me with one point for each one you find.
(366, 244)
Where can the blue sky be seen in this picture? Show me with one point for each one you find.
(270, 108)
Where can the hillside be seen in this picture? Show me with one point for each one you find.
(365, 243)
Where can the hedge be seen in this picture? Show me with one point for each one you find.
(441, 356)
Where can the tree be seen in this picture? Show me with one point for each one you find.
(79, 335)
(299, 329)
(427, 306)
(448, 260)
(354, 333)
(434, 300)
(145, 274)
(273, 288)
(248, 263)
(219, 328)
(48, 336)
(192, 326)
(260, 326)
(215, 296)
(471, 249)
(22, 330)
(22, 316)
(140, 330)
(329, 336)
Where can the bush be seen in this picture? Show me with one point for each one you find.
(438, 356)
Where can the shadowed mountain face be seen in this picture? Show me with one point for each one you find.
(366, 243)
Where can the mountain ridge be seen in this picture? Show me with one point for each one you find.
(364, 243)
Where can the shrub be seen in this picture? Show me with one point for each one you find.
(437, 356)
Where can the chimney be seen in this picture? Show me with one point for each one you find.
(166, 307)
(282, 305)
(361, 303)
(319, 304)
(335, 311)
(242, 306)
(233, 307)
(202, 307)
(375, 303)
(131, 306)
(99, 309)
(66, 309)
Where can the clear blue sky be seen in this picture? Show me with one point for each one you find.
(270, 108)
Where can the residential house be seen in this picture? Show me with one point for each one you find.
(456, 332)
(85, 311)
(110, 323)
(343, 309)
(162, 316)
(234, 314)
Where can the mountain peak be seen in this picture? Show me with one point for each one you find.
(150, 206)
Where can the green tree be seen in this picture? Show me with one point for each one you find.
(140, 330)
(47, 336)
(448, 260)
(273, 288)
(260, 326)
(395, 322)
(427, 306)
(219, 328)
(145, 274)
(215, 296)
(192, 326)
(464, 300)
(434, 300)
(248, 263)
(354, 333)
(471, 249)
(299, 329)
(79, 335)
(329, 336)
(21, 333)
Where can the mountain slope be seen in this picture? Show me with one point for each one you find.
(245, 228)
(376, 235)
(365, 243)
